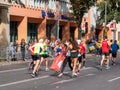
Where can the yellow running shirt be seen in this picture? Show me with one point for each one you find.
(38, 48)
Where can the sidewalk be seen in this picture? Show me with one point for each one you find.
(3, 63)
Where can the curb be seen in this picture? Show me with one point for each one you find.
(13, 62)
(27, 61)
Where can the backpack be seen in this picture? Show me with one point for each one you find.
(98, 45)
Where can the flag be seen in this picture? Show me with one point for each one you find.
(57, 62)
(112, 26)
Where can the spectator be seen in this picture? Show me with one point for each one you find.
(114, 49)
(22, 48)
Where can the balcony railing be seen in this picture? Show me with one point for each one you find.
(4, 3)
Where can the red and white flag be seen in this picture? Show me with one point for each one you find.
(57, 62)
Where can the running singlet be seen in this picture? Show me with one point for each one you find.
(45, 49)
(82, 48)
(37, 48)
(105, 46)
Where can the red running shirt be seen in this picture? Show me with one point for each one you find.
(105, 46)
(82, 48)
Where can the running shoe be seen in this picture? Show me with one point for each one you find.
(83, 67)
(33, 75)
(60, 75)
(100, 68)
(74, 75)
(46, 69)
(113, 63)
(107, 67)
(78, 72)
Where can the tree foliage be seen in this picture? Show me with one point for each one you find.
(80, 7)
(112, 8)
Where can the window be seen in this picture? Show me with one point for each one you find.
(72, 32)
(48, 31)
(36, 3)
(13, 31)
(51, 4)
(64, 6)
(32, 31)
(31, 3)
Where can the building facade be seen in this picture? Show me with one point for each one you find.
(117, 31)
(31, 19)
(4, 27)
(4, 23)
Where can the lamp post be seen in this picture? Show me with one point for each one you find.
(58, 19)
(105, 28)
(105, 12)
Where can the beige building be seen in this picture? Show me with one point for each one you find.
(118, 31)
(4, 26)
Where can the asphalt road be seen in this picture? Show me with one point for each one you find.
(17, 77)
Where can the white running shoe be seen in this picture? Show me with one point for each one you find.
(107, 67)
(60, 75)
(74, 75)
(47, 69)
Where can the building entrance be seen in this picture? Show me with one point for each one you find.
(72, 33)
(13, 31)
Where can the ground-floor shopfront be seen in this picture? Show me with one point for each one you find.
(34, 28)
(28, 23)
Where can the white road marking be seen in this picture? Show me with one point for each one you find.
(23, 81)
(91, 74)
(111, 80)
(63, 81)
(27, 80)
(87, 68)
(12, 70)
(20, 69)
(69, 80)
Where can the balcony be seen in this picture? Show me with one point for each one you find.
(4, 3)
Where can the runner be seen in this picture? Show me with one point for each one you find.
(31, 48)
(105, 54)
(110, 50)
(37, 50)
(67, 60)
(73, 47)
(57, 48)
(59, 59)
(82, 56)
(114, 50)
(44, 54)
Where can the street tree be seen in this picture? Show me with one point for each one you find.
(80, 7)
(112, 10)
